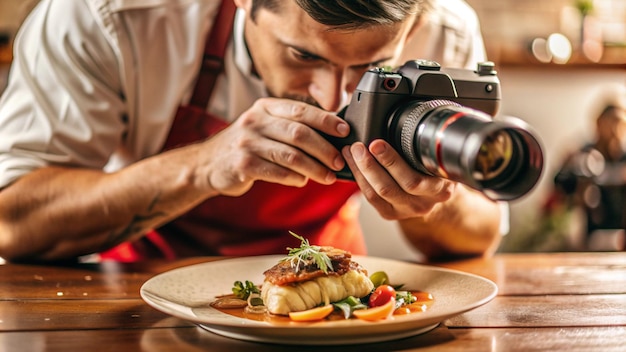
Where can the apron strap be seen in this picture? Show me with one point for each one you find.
(214, 51)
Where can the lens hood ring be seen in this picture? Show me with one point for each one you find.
(409, 127)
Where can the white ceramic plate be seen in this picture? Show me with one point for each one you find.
(186, 293)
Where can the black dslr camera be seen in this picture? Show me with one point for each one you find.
(440, 121)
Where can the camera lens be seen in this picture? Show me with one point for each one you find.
(442, 138)
(494, 156)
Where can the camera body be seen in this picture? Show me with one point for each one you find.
(379, 92)
(441, 121)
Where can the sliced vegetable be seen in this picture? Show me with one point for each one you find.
(379, 278)
(229, 303)
(255, 300)
(317, 313)
(377, 313)
(381, 295)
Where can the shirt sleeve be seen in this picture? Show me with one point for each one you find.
(63, 103)
(505, 218)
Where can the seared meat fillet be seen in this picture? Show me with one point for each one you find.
(285, 273)
(290, 289)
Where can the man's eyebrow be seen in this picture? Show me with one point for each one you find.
(318, 57)
(308, 53)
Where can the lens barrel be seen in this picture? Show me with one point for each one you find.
(441, 138)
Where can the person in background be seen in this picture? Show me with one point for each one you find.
(164, 128)
(593, 178)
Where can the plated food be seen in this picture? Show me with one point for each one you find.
(320, 282)
(187, 291)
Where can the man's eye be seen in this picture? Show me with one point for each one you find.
(375, 64)
(363, 68)
(305, 57)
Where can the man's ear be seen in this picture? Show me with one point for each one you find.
(419, 23)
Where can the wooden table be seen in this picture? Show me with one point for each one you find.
(546, 302)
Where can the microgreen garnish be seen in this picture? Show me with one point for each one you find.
(404, 297)
(306, 253)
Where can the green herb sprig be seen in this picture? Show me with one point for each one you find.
(305, 253)
(244, 290)
(348, 305)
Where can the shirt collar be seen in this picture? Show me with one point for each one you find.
(242, 58)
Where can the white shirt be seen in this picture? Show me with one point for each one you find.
(98, 82)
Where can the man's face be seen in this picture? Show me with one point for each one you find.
(299, 58)
(611, 132)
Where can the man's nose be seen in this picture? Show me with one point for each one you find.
(331, 88)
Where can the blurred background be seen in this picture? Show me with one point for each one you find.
(555, 60)
(560, 62)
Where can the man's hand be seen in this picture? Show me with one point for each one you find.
(441, 218)
(276, 140)
(391, 185)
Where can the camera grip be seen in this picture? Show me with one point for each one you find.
(345, 174)
(339, 143)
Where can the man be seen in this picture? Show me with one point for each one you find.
(591, 180)
(106, 139)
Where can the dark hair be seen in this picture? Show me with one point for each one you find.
(351, 14)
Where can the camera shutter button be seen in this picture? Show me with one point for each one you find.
(428, 65)
(486, 69)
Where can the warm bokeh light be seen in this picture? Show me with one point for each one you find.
(560, 48)
(556, 48)
(539, 48)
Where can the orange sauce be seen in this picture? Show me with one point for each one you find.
(424, 300)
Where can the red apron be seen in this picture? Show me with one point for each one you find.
(257, 222)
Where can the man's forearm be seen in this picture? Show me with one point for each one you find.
(466, 225)
(55, 213)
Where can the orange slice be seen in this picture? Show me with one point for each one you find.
(377, 313)
(317, 313)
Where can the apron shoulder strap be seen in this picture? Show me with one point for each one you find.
(214, 51)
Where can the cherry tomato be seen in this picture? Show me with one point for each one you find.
(381, 295)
